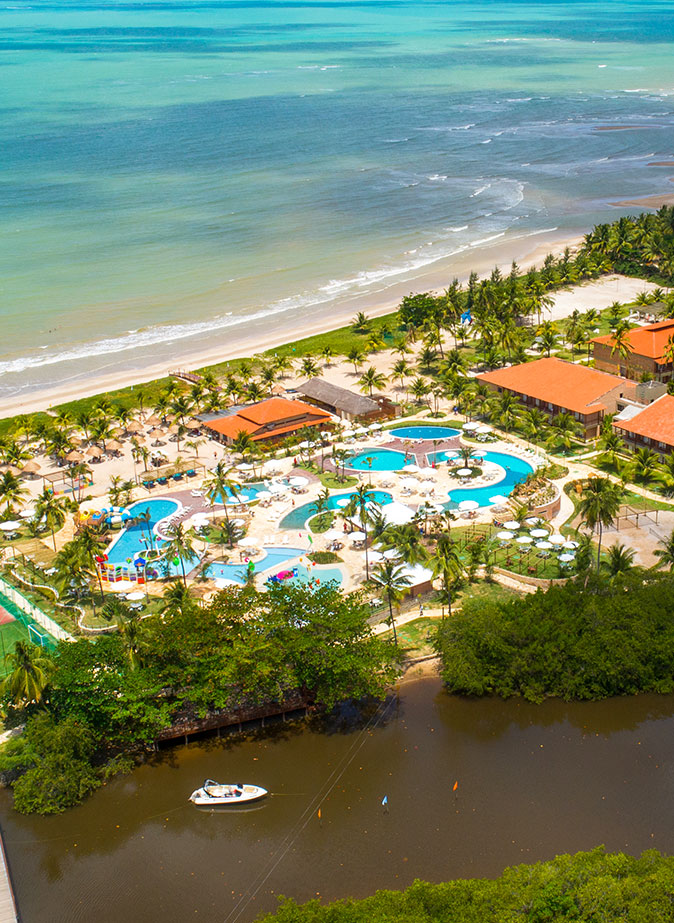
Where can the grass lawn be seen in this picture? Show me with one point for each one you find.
(332, 482)
(518, 559)
(414, 638)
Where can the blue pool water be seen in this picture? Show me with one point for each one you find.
(424, 432)
(274, 558)
(382, 460)
(318, 575)
(516, 470)
(297, 519)
(134, 538)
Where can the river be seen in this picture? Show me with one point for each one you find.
(533, 781)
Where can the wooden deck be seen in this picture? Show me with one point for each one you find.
(8, 912)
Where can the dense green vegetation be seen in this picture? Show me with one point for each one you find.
(588, 886)
(592, 638)
(90, 706)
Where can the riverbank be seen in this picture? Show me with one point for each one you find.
(262, 337)
(534, 781)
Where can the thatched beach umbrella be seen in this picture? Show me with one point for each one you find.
(74, 457)
(154, 420)
(134, 427)
(31, 467)
(115, 446)
(94, 452)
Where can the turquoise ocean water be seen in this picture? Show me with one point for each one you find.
(176, 174)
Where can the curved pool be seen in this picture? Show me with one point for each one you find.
(424, 432)
(139, 536)
(516, 470)
(298, 518)
(378, 460)
(274, 557)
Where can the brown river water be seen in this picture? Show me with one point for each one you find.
(534, 781)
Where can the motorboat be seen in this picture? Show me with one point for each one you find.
(212, 793)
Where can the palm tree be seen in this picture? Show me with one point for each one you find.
(564, 428)
(326, 355)
(468, 456)
(221, 486)
(391, 576)
(310, 367)
(406, 540)
(372, 379)
(448, 565)
(176, 599)
(50, 509)
(646, 463)
(619, 561)
(11, 490)
(361, 323)
(320, 504)
(401, 371)
(611, 443)
(30, 672)
(665, 553)
(179, 546)
(340, 458)
(599, 505)
(355, 357)
(621, 340)
(362, 500)
(130, 631)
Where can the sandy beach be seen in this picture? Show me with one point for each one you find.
(650, 201)
(527, 252)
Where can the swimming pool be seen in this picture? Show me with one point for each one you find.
(378, 460)
(135, 537)
(274, 557)
(516, 470)
(424, 432)
(298, 518)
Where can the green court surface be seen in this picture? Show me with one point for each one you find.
(15, 626)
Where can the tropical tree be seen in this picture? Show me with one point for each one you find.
(447, 564)
(310, 367)
(363, 501)
(564, 429)
(221, 486)
(665, 553)
(406, 540)
(361, 323)
(30, 669)
(599, 505)
(371, 379)
(11, 490)
(50, 510)
(393, 579)
(179, 546)
(355, 356)
(646, 463)
(619, 562)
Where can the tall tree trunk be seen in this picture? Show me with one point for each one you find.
(392, 620)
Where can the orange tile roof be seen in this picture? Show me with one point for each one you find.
(275, 410)
(655, 421)
(573, 387)
(647, 341)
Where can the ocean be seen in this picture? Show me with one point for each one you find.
(175, 175)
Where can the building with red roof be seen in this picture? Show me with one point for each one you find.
(269, 420)
(652, 427)
(556, 386)
(650, 352)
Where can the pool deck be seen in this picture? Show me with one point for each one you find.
(420, 449)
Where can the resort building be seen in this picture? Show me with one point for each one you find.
(649, 427)
(269, 420)
(648, 351)
(556, 386)
(346, 404)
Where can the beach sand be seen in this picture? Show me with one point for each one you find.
(277, 331)
(649, 201)
(482, 259)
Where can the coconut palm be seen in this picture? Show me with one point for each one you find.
(564, 429)
(340, 458)
(361, 323)
(619, 562)
(29, 676)
(176, 599)
(393, 580)
(371, 379)
(11, 490)
(220, 486)
(665, 553)
(406, 540)
(363, 501)
(180, 546)
(599, 505)
(646, 463)
(50, 510)
(355, 356)
(310, 367)
(447, 564)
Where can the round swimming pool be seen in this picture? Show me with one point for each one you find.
(377, 460)
(424, 432)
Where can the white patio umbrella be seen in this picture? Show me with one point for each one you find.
(332, 535)
(408, 482)
(483, 429)
(544, 546)
(504, 535)
(451, 455)
(247, 542)
(304, 445)
(410, 469)
(512, 524)
(298, 481)
(470, 426)
(136, 596)
(498, 499)
(533, 520)
(566, 558)
(376, 557)
(360, 431)
(570, 546)
(524, 540)
(242, 498)
(556, 539)
(10, 524)
(540, 533)
(27, 514)
(357, 536)
(468, 505)
(343, 502)
(464, 472)
(375, 426)
(276, 489)
(264, 494)
(244, 466)
(391, 554)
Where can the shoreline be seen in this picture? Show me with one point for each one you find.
(531, 250)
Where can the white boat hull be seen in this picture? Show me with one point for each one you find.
(213, 793)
